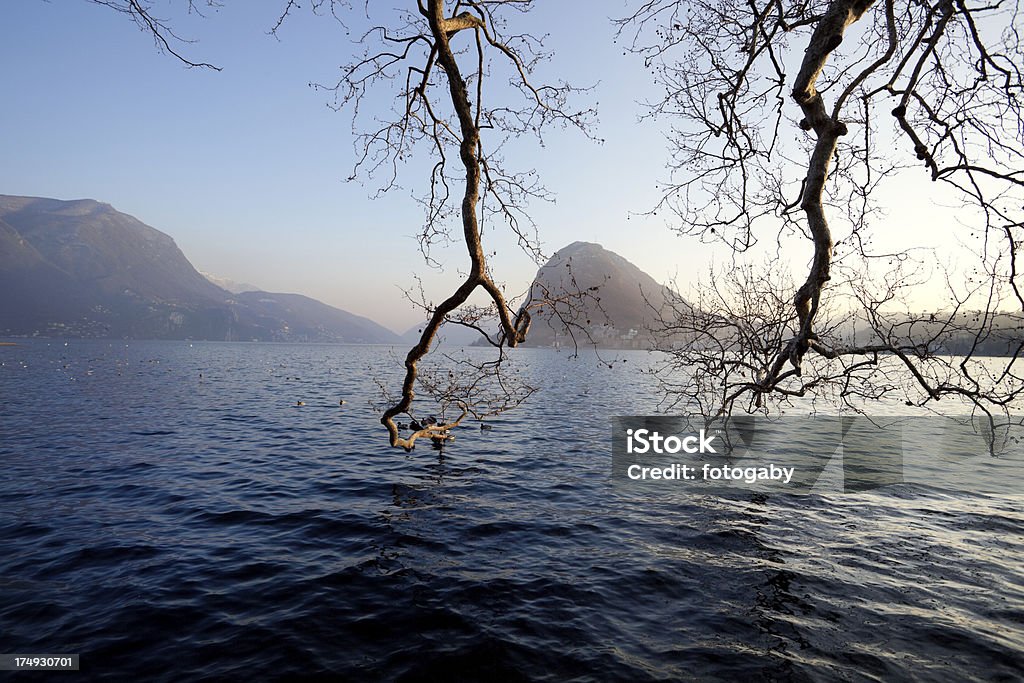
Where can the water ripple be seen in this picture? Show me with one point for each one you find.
(171, 514)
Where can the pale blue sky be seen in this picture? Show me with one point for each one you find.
(245, 168)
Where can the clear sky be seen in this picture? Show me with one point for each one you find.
(245, 167)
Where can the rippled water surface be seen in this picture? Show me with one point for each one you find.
(171, 514)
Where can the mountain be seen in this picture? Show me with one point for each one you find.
(294, 317)
(231, 285)
(450, 335)
(82, 269)
(619, 302)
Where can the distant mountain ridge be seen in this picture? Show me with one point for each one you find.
(83, 269)
(450, 335)
(231, 285)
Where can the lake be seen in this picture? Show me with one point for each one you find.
(170, 513)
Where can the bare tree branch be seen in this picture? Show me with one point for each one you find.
(446, 57)
(141, 12)
(954, 70)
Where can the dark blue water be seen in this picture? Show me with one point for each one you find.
(169, 513)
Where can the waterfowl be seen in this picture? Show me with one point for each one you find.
(300, 403)
(485, 427)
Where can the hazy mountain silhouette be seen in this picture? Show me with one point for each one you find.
(294, 317)
(231, 285)
(450, 335)
(82, 269)
(620, 302)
